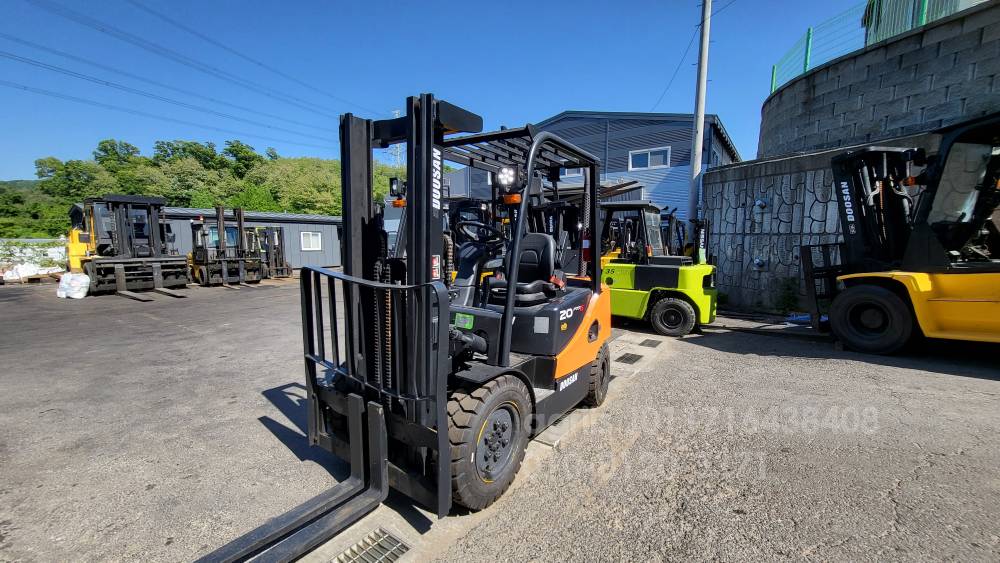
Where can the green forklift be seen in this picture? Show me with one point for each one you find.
(676, 294)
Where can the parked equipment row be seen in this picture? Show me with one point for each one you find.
(125, 246)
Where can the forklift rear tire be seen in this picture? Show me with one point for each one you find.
(672, 316)
(872, 319)
(488, 428)
(600, 376)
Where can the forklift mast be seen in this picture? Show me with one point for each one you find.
(876, 206)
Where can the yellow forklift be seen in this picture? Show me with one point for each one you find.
(430, 386)
(122, 243)
(921, 250)
(220, 253)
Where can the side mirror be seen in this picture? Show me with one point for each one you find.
(84, 237)
(397, 188)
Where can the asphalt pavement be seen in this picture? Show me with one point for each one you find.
(158, 431)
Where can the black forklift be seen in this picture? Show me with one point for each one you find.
(921, 249)
(430, 386)
(124, 245)
(221, 254)
(269, 243)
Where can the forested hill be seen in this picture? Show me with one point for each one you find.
(186, 173)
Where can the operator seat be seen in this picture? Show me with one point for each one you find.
(535, 272)
(538, 256)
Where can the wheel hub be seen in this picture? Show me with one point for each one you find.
(672, 318)
(493, 452)
(869, 319)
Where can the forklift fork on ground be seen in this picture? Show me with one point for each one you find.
(306, 526)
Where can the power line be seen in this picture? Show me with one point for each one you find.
(676, 70)
(157, 83)
(95, 103)
(245, 57)
(150, 95)
(175, 56)
(687, 50)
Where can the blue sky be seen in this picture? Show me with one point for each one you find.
(513, 62)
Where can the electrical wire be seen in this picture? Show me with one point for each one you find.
(176, 56)
(95, 103)
(687, 49)
(240, 54)
(150, 95)
(159, 84)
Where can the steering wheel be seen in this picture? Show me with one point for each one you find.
(479, 232)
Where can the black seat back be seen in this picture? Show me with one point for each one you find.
(537, 262)
(469, 259)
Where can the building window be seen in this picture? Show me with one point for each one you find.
(647, 159)
(570, 172)
(311, 240)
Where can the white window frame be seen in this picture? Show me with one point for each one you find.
(670, 155)
(564, 173)
(302, 241)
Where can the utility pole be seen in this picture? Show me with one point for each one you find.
(697, 143)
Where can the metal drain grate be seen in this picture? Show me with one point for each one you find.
(379, 545)
(629, 358)
(650, 343)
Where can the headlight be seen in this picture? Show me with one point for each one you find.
(506, 177)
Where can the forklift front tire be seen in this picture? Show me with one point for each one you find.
(872, 319)
(488, 427)
(672, 316)
(600, 376)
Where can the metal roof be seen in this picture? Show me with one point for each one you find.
(709, 118)
(263, 216)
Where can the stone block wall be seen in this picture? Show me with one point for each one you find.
(760, 214)
(936, 75)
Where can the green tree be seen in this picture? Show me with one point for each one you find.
(113, 154)
(255, 198)
(204, 153)
(74, 180)
(244, 158)
(142, 179)
(300, 185)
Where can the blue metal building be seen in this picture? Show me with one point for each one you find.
(309, 240)
(653, 149)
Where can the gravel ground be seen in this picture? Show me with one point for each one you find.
(743, 447)
(158, 431)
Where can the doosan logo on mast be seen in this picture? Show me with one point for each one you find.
(436, 178)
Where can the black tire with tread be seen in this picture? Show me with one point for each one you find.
(600, 376)
(468, 410)
(898, 329)
(682, 307)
